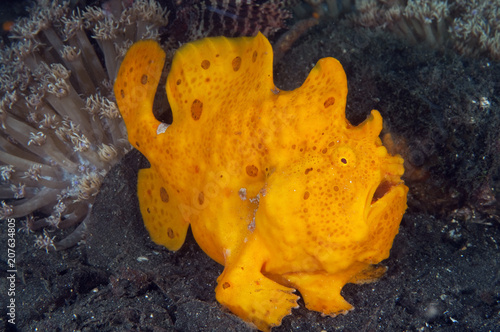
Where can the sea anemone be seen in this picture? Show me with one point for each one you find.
(418, 21)
(60, 128)
(470, 27)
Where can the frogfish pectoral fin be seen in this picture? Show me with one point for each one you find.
(160, 210)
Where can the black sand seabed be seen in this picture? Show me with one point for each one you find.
(444, 272)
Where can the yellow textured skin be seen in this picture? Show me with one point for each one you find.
(277, 185)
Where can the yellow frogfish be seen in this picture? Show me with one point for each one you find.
(277, 185)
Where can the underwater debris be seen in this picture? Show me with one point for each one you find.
(285, 42)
